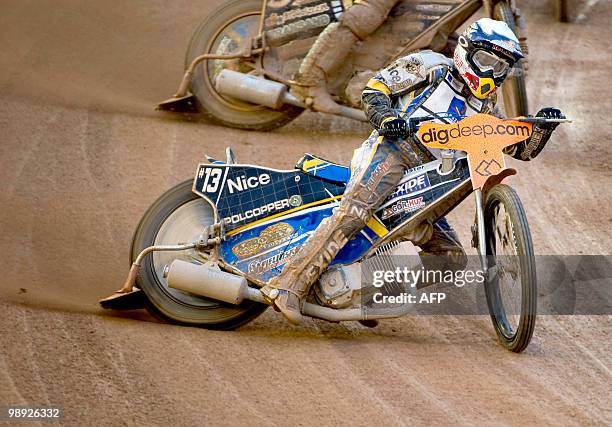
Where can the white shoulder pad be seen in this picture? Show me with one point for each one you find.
(433, 59)
(412, 69)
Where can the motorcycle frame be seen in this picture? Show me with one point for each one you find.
(353, 314)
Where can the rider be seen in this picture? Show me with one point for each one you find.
(420, 84)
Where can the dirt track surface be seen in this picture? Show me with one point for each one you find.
(82, 155)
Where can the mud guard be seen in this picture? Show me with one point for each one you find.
(184, 104)
(123, 302)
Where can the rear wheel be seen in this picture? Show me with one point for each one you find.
(180, 216)
(511, 288)
(513, 90)
(225, 32)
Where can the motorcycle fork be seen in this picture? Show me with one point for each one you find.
(478, 230)
(262, 20)
(489, 5)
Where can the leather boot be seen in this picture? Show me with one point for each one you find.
(289, 289)
(288, 303)
(331, 48)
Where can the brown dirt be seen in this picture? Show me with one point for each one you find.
(83, 154)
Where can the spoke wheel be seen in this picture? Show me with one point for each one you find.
(511, 286)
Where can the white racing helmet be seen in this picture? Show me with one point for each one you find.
(486, 52)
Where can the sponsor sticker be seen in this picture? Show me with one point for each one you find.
(412, 185)
(413, 170)
(295, 201)
(276, 19)
(298, 27)
(263, 265)
(457, 108)
(455, 84)
(410, 205)
(434, 8)
(486, 168)
(378, 174)
(459, 131)
(243, 183)
(397, 78)
(475, 103)
(424, 17)
(272, 236)
(253, 214)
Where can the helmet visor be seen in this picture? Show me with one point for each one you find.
(486, 61)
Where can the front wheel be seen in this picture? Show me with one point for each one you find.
(511, 286)
(513, 91)
(180, 216)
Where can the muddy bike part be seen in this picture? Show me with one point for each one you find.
(248, 43)
(225, 31)
(511, 282)
(180, 216)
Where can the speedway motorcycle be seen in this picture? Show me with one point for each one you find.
(204, 248)
(242, 60)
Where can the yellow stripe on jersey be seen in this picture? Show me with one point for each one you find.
(378, 86)
(410, 99)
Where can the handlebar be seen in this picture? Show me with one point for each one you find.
(543, 120)
(413, 122)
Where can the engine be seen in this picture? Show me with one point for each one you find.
(342, 287)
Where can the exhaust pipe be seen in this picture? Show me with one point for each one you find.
(255, 90)
(210, 282)
(273, 94)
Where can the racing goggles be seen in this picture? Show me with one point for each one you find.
(486, 61)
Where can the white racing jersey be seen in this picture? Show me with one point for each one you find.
(424, 84)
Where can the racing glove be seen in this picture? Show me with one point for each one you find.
(540, 135)
(395, 128)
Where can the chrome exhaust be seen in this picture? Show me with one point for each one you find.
(271, 94)
(255, 90)
(207, 280)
